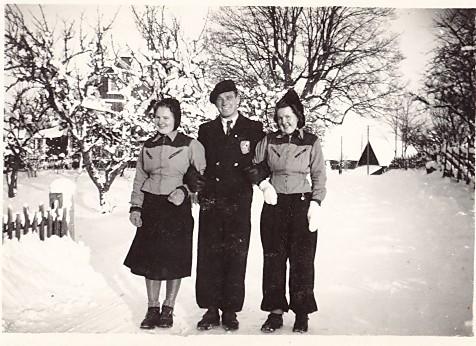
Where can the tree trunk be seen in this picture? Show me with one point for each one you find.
(12, 178)
(80, 164)
(103, 185)
(104, 203)
(396, 139)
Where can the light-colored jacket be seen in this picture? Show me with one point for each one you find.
(291, 159)
(162, 163)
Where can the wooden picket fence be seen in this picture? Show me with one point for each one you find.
(458, 162)
(45, 222)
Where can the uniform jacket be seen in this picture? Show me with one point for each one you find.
(291, 159)
(162, 163)
(227, 156)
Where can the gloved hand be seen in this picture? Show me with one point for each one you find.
(269, 193)
(314, 216)
(194, 180)
(256, 173)
(135, 219)
(178, 195)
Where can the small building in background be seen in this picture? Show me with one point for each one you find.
(113, 82)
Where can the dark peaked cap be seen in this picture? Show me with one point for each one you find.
(222, 87)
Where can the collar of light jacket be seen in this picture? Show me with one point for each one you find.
(298, 132)
(171, 135)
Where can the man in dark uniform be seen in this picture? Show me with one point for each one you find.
(225, 209)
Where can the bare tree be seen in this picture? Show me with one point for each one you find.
(451, 81)
(408, 120)
(341, 59)
(25, 115)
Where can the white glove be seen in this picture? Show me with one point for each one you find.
(269, 193)
(135, 219)
(178, 195)
(314, 216)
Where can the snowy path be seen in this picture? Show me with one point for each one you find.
(396, 259)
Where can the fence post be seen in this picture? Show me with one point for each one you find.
(10, 226)
(53, 212)
(64, 222)
(62, 190)
(49, 224)
(34, 223)
(4, 228)
(18, 227)
(42, 222)
(445, 153)
(27, 220)
(56, 223)
(41, 227)
(458, 168)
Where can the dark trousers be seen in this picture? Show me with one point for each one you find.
(223, 241)
(285, 235)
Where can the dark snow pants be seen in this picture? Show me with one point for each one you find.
(285, 235)
(223, 241)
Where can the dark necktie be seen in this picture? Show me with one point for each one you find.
(228, 127)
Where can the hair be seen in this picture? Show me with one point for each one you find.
(174, 107)
(150, 107)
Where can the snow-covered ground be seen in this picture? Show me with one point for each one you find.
(395, 256)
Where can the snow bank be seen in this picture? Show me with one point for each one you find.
(44, 278)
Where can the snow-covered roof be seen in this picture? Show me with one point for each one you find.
(53, 132)
(97, 104)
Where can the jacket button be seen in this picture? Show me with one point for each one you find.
(235, 164)
(217, 179)
(218, 163)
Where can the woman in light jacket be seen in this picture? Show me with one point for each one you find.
(161, 211)
(289, 215)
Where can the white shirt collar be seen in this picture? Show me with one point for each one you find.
(225, 120)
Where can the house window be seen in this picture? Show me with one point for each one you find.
(112, 86)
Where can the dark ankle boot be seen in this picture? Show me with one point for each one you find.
(151, 318)
(273, 322)
(300, 324)
(166, 319)
(210, 319)
(229, 321)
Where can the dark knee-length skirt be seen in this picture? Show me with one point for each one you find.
(162, 247)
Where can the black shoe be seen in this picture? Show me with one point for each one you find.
(151, 318)
(210, 319)
(229, 321)
(166, 319)
(273, 322)
(300, 324)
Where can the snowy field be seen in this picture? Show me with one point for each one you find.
(395, 256)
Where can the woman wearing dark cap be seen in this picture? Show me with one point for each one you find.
(289, 215)
(161, 211)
